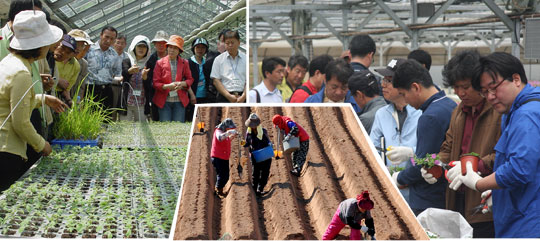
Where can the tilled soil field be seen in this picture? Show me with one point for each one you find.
(339, 165)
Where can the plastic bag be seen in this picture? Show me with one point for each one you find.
(445, 223)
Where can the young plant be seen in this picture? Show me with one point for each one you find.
(393, 169)
(471, 154)
(428, 162)
(82, 121)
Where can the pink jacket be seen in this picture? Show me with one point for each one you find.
(220, 149)
(162, 76)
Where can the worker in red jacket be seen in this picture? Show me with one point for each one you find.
(351, 212)
(292, 128)
(221, 151)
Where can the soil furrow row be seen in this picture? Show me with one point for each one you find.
(354, 182)
(321, 194)
(340, 164)
(280, 211)
(399, 210)
(196, 215)
(239, 206)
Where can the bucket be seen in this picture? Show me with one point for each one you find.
(291, 145)
(263, 154)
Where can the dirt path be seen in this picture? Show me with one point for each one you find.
(339, 165)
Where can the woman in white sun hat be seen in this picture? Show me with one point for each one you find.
(31, 41)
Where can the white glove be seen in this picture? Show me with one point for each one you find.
(287, 137)
(394, 178)
(364, 229)
(454, 171)
(230, 133)
(469, 179)
(489, 201)
(399, 154)
(428, 176)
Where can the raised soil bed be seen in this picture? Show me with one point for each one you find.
(340, 164)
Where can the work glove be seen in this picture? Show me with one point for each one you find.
(399, 154)
(454, 171)
(428, 177)
(364, 229)
(489, 201)
(294, 131)
(469, 179)
(230, 133)
(394, 178)
(287, 137)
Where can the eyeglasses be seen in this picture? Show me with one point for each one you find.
(386, 80)
(492, 90)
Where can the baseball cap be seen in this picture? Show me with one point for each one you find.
(391, 67)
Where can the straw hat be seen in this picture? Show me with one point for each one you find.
(161, 36)
(80, 36)
(253, 121)
(31, 31)
(177, 41)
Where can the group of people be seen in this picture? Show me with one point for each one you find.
(408, 116)
(62, 68)
(493, 119)
(162, 85)
(256, 138)
(350, 212)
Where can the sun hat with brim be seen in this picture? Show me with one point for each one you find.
(80, 36)
(31, 31)
(391, 67)
(176, 41)
(253, 121)
(161, 36)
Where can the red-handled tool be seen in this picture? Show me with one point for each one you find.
(482, 206)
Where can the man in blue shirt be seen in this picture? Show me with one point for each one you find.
(103, 66)
(516, 174)
(415, 84)
(336, 89)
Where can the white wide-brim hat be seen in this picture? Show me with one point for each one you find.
(31, 31)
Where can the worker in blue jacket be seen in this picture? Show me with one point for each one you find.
(336, 89)
(415, 84)
(516, 174)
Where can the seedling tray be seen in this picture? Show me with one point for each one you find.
(62, 143)
(140, 134)
(95, 193)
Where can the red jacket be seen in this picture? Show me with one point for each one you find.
(162, 76)
(302, 134)
(220, 149)
(300, 95)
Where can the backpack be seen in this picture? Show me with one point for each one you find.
(306, 89)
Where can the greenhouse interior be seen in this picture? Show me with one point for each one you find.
(105, 177)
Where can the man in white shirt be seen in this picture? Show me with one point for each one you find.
(229, 71)
(267, 92)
